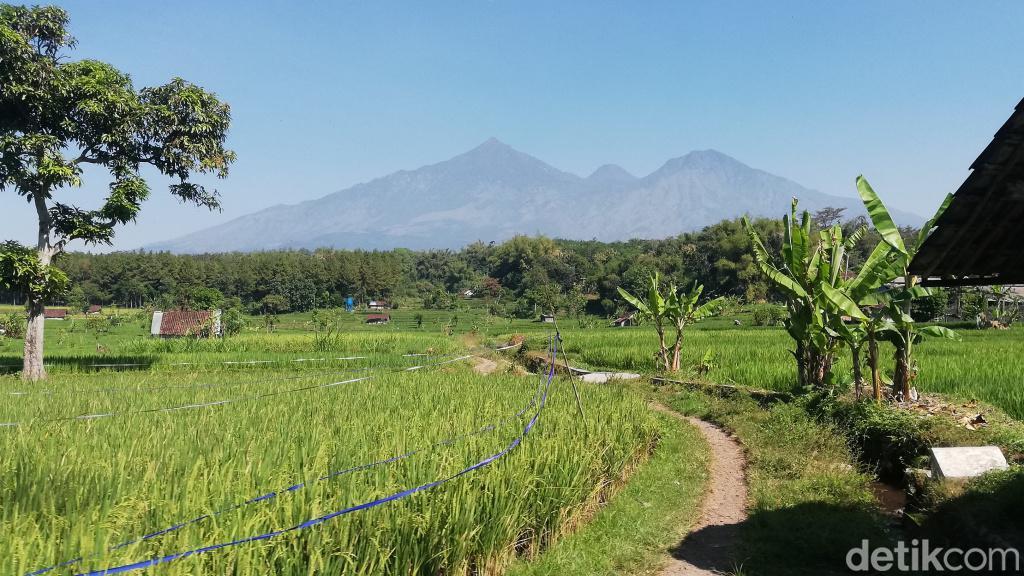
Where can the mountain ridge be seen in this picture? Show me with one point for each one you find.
(494, 191)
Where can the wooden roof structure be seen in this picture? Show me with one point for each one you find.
(980, 238)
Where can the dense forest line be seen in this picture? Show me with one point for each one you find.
(516, 277)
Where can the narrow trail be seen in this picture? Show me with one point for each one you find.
(711, 545)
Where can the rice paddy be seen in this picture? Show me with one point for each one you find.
(82, 487)
(986, 365)
(195, 434)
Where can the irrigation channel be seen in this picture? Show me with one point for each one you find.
(537, 402)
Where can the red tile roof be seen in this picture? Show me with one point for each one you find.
(184, 322)
(55, 313)
(94, 309)
(378, 318)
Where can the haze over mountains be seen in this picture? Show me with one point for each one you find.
(493, 192)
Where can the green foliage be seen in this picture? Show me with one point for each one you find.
(13, 325)
(53, 106)
(808, 273)
(21, 271)
(930, 307)
(898, 326)
(232, 322)
(768, 315)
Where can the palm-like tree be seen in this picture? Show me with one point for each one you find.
(903, 288)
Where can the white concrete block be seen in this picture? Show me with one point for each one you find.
(603, 377)
(966, 461)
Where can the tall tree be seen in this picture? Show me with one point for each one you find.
(57, 115)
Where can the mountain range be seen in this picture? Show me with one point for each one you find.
(494, 192)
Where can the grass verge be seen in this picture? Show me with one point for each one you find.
(650, 514)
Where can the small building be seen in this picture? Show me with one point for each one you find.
(94, 309)
(180, 323)
(547, 318)
(625, 320)
(378, 305)
(468, 294)
(55, 314)
(378, 319)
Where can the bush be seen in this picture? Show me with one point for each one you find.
(13, 325)
(768, 315)
(232, 322)
(930, 307)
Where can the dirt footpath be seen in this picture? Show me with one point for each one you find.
(711, 546)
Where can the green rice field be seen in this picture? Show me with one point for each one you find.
(986, 365)
(78, 487)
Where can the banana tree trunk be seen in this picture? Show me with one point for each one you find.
(662, 349)
(676, 349)
(813, 366)
(876, 379)
(858, 375)
(901, 375)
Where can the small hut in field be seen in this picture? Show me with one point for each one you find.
(181, 323)
(378, 319)
(55, 314)
(94, 309)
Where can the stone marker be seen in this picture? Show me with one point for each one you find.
(966, 461)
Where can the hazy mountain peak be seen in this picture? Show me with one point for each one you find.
(703, 160)
(494, 191)
(490, 146)
(611, 173)
(497, 160)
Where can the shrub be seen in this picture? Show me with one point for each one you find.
(13, 325)
(768, 315)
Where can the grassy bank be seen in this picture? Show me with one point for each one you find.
(630, 534)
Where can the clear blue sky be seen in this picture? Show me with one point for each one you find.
(334, 93)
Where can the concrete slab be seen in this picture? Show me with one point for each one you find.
(966, 461)
(603, 377)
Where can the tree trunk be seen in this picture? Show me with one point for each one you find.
(32, 366)
(675, 352)
(32, 363)
(876, 380)
(799, 354)
(812, 365)
(858, 375)
(662, 349)
(901, 376)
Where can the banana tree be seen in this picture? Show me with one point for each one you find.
(897, 301)
(809, 275)
(682, 310)
(863, 289)
(653, 307)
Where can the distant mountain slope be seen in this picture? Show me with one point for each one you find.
(494, 192)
